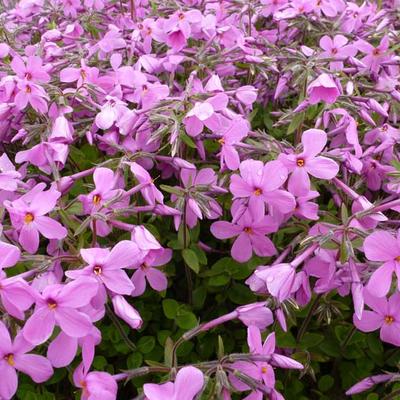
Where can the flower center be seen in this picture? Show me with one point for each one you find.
(83, 74)
(389, 319)
(28, 76)
(384, 128)
(397, 259)
(248, 230)
(221, 141)
(28, 218)
(376, 52)
(258, 192)
(264, 370)
(28, 89)
(334, 50)
(181, 16)
(10, 359)
(96, 199)
(300, 162)
(97, 269)
(51, 304)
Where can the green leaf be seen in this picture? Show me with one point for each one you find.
(311, 339)
(146, 344)
(170, 308)
(296, 121)
(325, 383)
(169, 345)
(188, 140)
(221, 351)
(186, 320)
(191, 260)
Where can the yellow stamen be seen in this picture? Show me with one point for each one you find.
(97, 270)
(28, 218)
(258, 192)
(96, 199)
(300, 162)
(10, 359)
(389, 319)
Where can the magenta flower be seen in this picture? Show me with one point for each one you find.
(28, 216)
(32, 70)
(58, 305)
(259, 184)
(323, 89)
(145, 270)
(106, 266)
(308, 162)
(250, 236)
(336, 48)
(81, 75)
(382, 246)
(13, 358)
(375, 56)
(188, 383)
(385, 315)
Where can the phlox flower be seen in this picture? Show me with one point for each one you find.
(374, 55)
(14, 357)
(28, 216)
(31, 70)
(188, 383)
(107, 266)
(324, 89)
(251, 236)
(336, 48)
(259, 184)
(308, 162)
(33, 94)
(384, 315)
(58, 305)
(384, 247)
(147, 270)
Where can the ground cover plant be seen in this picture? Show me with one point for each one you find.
(199, 199)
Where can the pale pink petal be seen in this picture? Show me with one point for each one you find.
(225, 230)
(370, 321)
(62, 350)
(322, 167)
(188, 383)
(50, 228)
(241, 250)
(37, 367)
(72, 322)
(39, 327)
(157, 280)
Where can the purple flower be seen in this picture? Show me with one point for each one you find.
(336, 48)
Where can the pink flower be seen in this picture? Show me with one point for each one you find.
(368, 383)
(385, 315)
(307, 162)
(110, 112)
(145, 271)
(13, 358)
(107, 266)
(205, 114)
(250, 236)
(259, 184)
(16, 295)
(33, 70)
(149, 191)
(324, 89)
(9, 177)
(382, 246)
(374, 55)
(28, 216)
(58, 305)
(336, 48)
(9, 255)
(126, 312)
(95, 385)
(33, 94)
(82, 75)
(231, 133)
(188, 383)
